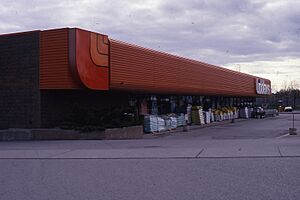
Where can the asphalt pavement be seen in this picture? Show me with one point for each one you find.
(250, 159)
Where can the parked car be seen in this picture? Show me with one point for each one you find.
(288, 109)
(258, 112)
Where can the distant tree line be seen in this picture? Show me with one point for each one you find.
(289, 97)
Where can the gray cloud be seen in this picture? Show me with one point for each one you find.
(224, 33)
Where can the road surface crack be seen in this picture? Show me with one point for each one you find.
(279, 151)
(197, 156)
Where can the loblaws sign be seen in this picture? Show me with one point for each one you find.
(262, 87)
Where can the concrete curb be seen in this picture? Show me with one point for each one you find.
(134, 132)
(46, 134)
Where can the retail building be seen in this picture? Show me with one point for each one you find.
(56, 77)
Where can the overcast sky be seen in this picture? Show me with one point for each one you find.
(259, 37)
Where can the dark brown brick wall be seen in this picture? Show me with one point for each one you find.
(19, 80)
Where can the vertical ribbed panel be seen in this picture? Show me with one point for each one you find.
(139, 69)
(55, 72)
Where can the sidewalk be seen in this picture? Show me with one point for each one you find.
(154, 149)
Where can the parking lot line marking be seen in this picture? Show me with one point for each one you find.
(285, 135)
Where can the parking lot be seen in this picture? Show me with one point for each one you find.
(250, 159)
(270, 127)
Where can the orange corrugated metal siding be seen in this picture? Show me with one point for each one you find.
(55, 72)
(139, 69)
(134, 68)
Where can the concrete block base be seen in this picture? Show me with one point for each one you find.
(134, 132)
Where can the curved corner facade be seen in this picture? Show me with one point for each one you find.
(74, 59)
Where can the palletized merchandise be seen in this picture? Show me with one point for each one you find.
(221, 117)
(180, 120)
(173, 122)
(250, 110)
(207, 117)
(189, 113)
(150, 123)
(212, 118)
(225, 116)
(161, 125)
(195, 115)
(231, 115)
(217, 117)
(244, 113)
(247, 112)
(167, 120)
(228, 115)
(201, 116)
(216, 114)
(236, 115)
